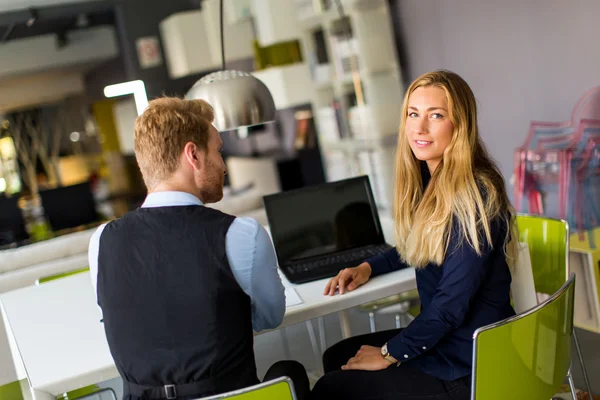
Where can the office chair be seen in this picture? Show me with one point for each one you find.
(69, 206)
(12, 224)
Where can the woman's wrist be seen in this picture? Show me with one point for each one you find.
(367, 268)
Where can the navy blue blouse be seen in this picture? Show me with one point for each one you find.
(466, 292)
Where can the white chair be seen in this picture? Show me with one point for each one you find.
(522, 287)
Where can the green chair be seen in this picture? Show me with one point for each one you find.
(87, 391)
(276, 389)
(548, 242)
(14, 390)
(526, 356)
(46, 279)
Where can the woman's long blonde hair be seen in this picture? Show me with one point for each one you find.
(424, 217)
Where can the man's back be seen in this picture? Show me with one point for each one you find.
(173, 311)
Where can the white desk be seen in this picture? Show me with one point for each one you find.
(62, 342)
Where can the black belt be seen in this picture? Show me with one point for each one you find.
(172, 391)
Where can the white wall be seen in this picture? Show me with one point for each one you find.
(524, 59)
(125, 114)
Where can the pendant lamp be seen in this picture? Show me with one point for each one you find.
(238, 98)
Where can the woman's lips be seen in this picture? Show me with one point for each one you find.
(422, 143)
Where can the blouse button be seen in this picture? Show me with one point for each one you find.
(406, 356)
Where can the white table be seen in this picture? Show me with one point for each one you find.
(62, 342)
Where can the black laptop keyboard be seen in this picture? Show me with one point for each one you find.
(306, 270)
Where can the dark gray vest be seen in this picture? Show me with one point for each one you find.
(173, 312)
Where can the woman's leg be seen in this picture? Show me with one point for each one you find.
(391, 383)
(296, 372)
(338, 354)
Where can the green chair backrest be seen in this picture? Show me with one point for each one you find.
(276, 389)
(13, 390)
(526, 356)
(61, 275)
(548, 242)
(83, 392)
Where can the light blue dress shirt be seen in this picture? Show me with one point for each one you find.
(249, 251)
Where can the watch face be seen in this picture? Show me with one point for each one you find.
(384, 350)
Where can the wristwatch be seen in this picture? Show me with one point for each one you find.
(387, 356)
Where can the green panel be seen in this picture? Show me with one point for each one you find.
(548, 242)
(527, 357)
(278, 54)
(79, 393)
(278, 391)
(13, 390)
(63, 275)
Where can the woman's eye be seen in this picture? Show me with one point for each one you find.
(437, 116)
(412, 114)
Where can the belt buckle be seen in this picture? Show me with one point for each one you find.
(170, 392)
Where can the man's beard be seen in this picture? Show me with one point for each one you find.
(216, 191)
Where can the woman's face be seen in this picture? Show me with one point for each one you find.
(428, 127)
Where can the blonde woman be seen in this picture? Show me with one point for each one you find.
(453, 224)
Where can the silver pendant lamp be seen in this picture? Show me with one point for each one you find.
(238, 98)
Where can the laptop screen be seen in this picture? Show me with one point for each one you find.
(323, 219)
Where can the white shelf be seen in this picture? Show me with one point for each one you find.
(376, 142)
(350, 6)
(275, 21)
(289, 84)
(373, 47)
(191, 41)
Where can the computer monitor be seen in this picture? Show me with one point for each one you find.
(69, 206)
(323, 219)
(12, 224)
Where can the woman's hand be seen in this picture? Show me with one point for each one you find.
(368, 358)
(348, 278)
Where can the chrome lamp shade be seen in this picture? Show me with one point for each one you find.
(238, 98)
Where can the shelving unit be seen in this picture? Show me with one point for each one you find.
(357, 88)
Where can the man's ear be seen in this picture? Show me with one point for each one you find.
(194, 156)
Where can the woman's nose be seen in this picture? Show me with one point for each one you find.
(421, 126)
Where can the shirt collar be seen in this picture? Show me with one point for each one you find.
(425, 175)
(167, 199)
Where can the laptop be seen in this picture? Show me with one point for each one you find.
(319, 230)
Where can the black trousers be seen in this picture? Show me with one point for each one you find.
(398, 383)
(296, 372)
(292, 369)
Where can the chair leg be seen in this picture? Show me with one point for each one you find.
(372, 321)
(113, 394)
(315, 345)
(571, 384)
(345, 324)
(322, 336)
(110, 391)
(398, 324)
(583, 369)
(286, 345)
